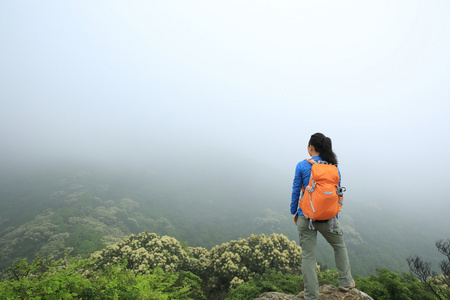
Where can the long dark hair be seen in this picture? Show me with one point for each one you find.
(322, 144)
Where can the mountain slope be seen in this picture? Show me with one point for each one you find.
(83, 207)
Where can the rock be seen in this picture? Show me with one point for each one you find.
(326, 292)
(279, 296)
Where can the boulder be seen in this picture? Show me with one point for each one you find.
(326, 292)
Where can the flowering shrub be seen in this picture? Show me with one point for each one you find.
(143, 252)
(231, 263)
(199, 263)
(235, 261)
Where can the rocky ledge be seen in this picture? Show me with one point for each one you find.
(327, 292)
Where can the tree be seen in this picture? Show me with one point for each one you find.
(439, 285)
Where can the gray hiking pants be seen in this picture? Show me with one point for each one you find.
(308, 242)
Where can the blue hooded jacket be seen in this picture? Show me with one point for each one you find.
(301, 179)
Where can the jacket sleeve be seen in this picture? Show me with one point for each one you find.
(296, 188)
(339, 177)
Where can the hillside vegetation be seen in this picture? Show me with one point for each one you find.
(147, 266)
(81, 209)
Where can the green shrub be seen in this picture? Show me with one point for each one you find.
(75, 279)
(271, 281)
(386, 285)
(43, 279)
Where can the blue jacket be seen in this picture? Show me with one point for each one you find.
(301, 179)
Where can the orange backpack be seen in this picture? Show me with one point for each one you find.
(322, 198)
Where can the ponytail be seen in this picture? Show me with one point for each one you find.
(323, 146)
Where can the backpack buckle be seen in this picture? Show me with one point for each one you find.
(340, 191)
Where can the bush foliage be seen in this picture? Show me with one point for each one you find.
(74, 279)
(147, 266)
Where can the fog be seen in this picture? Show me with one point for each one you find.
(184, 82)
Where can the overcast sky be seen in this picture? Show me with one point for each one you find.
(113, 79)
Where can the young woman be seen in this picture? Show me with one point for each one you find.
(320, 149)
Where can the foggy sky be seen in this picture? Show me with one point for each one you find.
(182, 80)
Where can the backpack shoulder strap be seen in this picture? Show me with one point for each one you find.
(311, 161)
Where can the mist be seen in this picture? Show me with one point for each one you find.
(207, 89)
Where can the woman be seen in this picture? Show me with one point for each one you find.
(319, 148)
